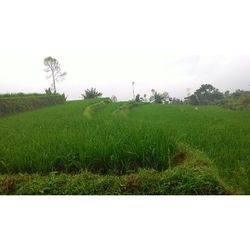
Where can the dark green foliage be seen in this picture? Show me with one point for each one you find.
(238, 93)
(193, 99)
(21, 102)
(91, 93)
(239, 100)
(159, 97)
(137, 98)
(175, 100)
(20, 94)
(48, 91)
(205, 95)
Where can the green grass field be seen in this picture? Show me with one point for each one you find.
(120, 140)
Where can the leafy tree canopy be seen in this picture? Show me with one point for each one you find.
(157, 97)
(206, 94)
(91, 93)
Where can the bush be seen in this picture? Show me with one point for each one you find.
(15, 103)
(236, 101)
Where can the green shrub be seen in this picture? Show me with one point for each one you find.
(241, 102)
(20, 103)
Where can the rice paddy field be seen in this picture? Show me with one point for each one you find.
(99, 147)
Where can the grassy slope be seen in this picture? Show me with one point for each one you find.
(224, 135)
(65, 139)
(61, 138)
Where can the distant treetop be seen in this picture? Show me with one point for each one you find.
(91, 93)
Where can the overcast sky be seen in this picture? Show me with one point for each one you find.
(107, 44)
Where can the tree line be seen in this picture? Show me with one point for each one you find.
(206, 94)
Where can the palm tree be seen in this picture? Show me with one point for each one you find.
(91, 93)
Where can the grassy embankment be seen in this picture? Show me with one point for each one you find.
(15, 103)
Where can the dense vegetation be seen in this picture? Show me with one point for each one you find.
(20, 94)
(207, 94)
(108, 143)
(14, 103)
(65, 138)
(237, 101)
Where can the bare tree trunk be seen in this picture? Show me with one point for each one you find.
(54, 82)
(133, 83)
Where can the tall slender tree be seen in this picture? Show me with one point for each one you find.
(53, 68)
(133, 87)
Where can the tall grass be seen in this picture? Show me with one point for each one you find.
(224, 135)
(61, 138)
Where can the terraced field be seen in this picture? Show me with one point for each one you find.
(99, 147)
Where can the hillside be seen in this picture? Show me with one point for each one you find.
(98, 147)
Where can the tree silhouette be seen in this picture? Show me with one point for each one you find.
(53, 67)
(91, 93)
(206, 94)
(113, 98)
(159, 97)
